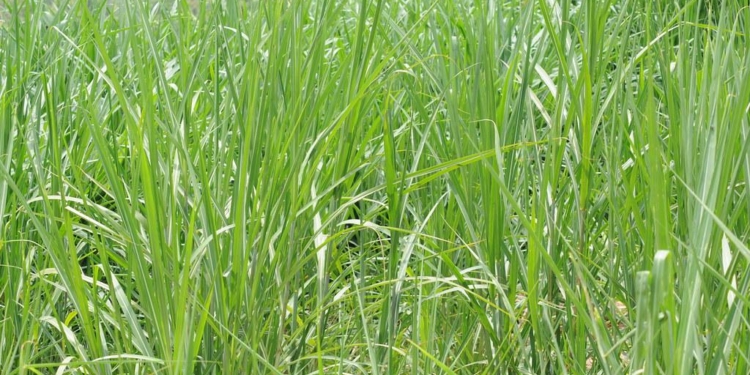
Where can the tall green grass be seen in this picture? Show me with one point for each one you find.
(375, 187)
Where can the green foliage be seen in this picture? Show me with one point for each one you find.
(374, 187)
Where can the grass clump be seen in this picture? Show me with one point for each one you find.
(374, 187)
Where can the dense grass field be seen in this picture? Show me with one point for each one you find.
(375, 187)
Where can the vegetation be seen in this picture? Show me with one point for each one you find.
(375, 187)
